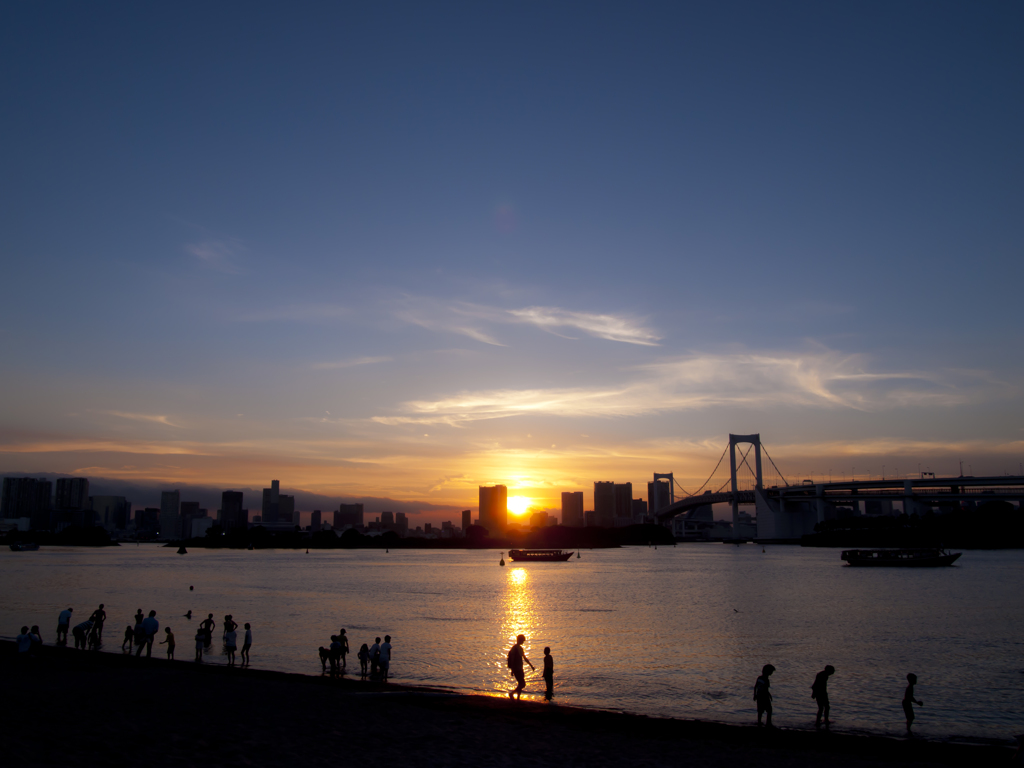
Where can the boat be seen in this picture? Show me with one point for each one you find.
(24, 546)
(538, 555)
(900, 558)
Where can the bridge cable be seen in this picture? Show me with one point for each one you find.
(783, 478)
(712, 471)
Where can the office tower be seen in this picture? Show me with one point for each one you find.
(314, 521)
(147, 521)
(231, 513)
(467, 519)
(27, 497)
(623, 502)
(494, 509)
(199, 526)
(349, 514)
(387, 521)
(639, 510)
(112, 512)
(189, 511)
(170, 519)
(604, 504)
(286, 509)
(72, 493)
(402, 524)
(572, 508)
(271, 502)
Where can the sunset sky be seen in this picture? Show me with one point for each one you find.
(400, 250)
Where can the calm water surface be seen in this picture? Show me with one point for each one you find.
(675, 631)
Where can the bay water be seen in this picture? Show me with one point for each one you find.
(670, 631)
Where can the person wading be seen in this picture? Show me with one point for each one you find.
(516, 657)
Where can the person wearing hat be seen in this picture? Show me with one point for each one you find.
(763, 696)
(819, 692)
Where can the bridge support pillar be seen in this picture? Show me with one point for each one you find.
(754, 440)
(819, 492)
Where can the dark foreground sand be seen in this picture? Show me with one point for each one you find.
(68, 706)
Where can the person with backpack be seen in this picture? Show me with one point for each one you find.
(763, 696)
(515, 659)
(819, 692)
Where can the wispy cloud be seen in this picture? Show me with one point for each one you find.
(350, 363)
(474, 320)
(220, 255)
(821, 380)
(149, 417)
(623, 328)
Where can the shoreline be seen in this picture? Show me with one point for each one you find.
(177, 710)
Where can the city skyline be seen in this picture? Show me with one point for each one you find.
(404, 255)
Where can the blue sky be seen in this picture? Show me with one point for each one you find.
(406, 249)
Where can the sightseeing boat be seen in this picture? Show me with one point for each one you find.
(900, 558)
(24, 546)
(538, 555)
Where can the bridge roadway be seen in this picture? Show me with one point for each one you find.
(928, 491)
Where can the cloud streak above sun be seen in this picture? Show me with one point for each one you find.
(476, 321)
(819, 380)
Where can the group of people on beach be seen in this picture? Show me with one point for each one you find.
(88, 635)
(514, 660)
(374, 660)
(819, 692)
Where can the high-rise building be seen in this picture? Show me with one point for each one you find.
(189, 512)
(27, 497)
(271, 502)
(639, 510)
(467, 519)
(623, 502)
(147, 521)
(72, 493)
(572, 509)
(659, 495)
(314, 521)
(170, 519)
(349, 514)
(232, 515)
(402, 524)
(387, 521)
(112, 512)
(494, 509)
(604, 504)
(286, 509)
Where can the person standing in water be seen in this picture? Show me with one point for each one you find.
(208, 625)
(343, 639)
(763, 696)
(516, 657)
(170, 643)
(549, 674)
(63, 624)
(819, 692)
(385, 657)
(246, 645)
(98, 617)
(909, 701)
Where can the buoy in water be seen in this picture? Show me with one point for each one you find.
(307, 551)
(502, 562)
(182, 550)
(577, 555)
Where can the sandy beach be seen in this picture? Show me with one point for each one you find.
(66, 705)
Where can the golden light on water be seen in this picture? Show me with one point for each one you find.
(518, 618)
(518, 505)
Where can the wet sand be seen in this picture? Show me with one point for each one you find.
(67, 705)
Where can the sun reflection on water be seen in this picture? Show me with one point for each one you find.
(518, 617)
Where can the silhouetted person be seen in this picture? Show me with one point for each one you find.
(170, 643)
(188, 615)
(129, 636)
(763, 696)
(231, 643)
(549, 674)
(909, 701)
(24, 641)
(229, 624)
(343, 639)
(207, 626)
(385, 657)
(374, 658)
(81, 633)
(63, 623)
(247, 644)
(37, 639)
(516, 657)
(364, 660)
(334, 654)
(98, 617)
(150, 626)
(200, 642)
(819, 692)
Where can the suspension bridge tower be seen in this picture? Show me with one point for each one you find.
(734, 440)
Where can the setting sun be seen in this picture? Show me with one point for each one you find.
(518, 505)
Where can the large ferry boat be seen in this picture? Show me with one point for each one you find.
(538, 555)
(900, 558)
